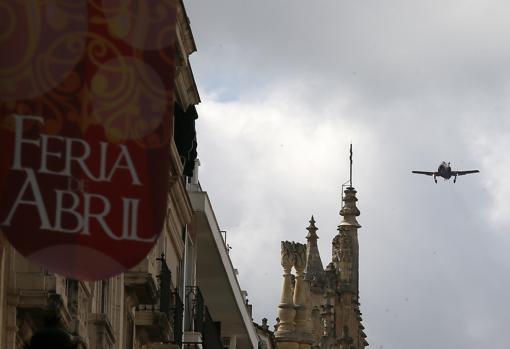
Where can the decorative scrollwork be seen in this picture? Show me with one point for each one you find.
(41, 43)
(342, 248)
(288, 256)
(71, 63)
(300, 253)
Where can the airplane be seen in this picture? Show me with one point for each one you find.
(446, 172)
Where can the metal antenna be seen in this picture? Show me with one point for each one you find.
(350, 173)
(350, 177)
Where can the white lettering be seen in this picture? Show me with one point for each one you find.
(80, 159)
(71, 210)
(76, 210)
(45, 153)
(37, 202)
(20, 140)
(102, 164)
(87, 215)
(130, 221)
(124, 154)
(76, 185)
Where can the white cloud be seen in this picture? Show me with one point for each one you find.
(490, 145)
(277, 165)
(270, 162)
(285, 89)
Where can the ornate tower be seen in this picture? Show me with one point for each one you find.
(322, 311)
(348, 328)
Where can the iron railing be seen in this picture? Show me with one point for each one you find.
(178, 313)
(165, 286)
(170, 302)
(211, 334)
(198, 319)
(194, 317)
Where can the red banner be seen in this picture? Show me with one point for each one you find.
(86, 103)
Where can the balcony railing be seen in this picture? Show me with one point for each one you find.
(194, 320)
(162, 318)
(178, 312)
(198, 319)
(166, 287)
(211, 335)
(170, 302)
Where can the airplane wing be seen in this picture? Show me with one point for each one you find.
(462, 173)
(426, 173)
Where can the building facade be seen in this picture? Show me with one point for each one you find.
(319, 308)
(184, 294)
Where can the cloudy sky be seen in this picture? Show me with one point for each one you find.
(286, 85)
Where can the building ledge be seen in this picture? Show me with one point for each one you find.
(162, 346)
(153, 325)
(192, 340)
(143, 285)
(38, 304)
(100, 330)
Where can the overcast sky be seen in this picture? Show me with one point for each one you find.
(286, 85)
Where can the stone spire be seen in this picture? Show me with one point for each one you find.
(345, 243)
(349, 211)
(314, 271)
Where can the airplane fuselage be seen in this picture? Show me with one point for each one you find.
(444, 170)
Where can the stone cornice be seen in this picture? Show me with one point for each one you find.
(183, 26)
(186, 89)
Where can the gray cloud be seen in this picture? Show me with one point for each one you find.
(381, 48)
(287, 85)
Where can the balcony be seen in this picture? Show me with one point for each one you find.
(152, 324)
(175, 313)
(141, 280)
(41, 295)
(211, 333)
(194, 317)
(199, 320)
(216, 277)
(162, 321)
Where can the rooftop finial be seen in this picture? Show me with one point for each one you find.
(314, 270)
(312, 230)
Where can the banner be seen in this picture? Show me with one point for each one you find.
(86, 103)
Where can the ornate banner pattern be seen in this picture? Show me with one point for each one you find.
(86, 102)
